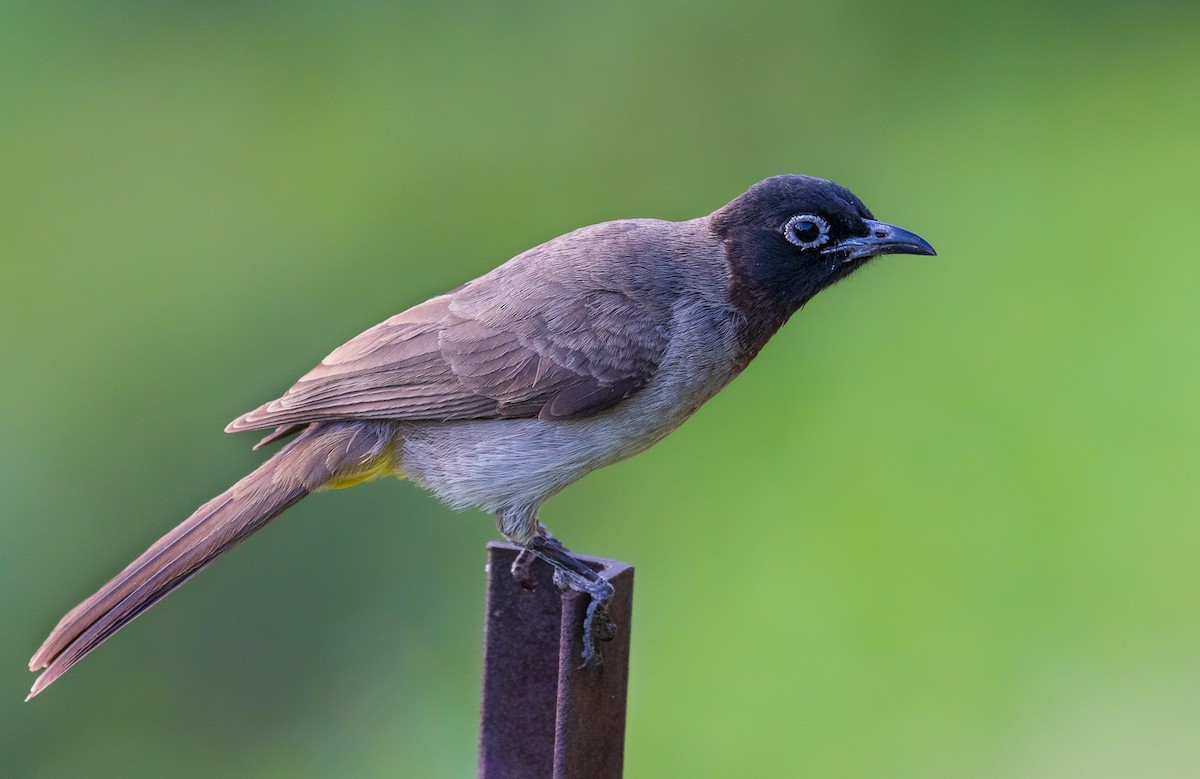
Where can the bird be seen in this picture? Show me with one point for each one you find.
(571, 356)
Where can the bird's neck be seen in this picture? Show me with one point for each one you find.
(765, 295)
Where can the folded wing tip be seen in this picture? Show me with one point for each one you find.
(42, 658)
(39, 684)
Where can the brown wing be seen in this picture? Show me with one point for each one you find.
(506, 345)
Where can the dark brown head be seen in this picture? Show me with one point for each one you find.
(789, 237)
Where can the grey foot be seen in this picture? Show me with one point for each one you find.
(571, 574)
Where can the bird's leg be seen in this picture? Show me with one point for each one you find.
(571, 573)
(522, 527)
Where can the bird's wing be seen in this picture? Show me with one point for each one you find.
(515, 343)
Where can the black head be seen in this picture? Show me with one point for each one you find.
(789, 237)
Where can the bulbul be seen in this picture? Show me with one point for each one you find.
(577, 353)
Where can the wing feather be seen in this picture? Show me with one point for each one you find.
(518, 342)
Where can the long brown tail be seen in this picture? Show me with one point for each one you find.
(320, 455)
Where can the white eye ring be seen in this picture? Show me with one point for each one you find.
(806, 241)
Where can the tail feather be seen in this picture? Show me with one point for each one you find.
(318, 456)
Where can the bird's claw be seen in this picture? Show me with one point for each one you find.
(522, 571)
(597, 626)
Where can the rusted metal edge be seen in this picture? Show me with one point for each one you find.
(543, 717)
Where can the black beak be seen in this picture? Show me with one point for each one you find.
(882, 238)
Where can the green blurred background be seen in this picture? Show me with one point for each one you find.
(945, 526)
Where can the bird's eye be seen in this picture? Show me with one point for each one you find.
(807, 231)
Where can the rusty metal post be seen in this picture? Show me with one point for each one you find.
(542, 717)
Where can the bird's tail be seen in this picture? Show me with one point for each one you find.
(328, 455)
